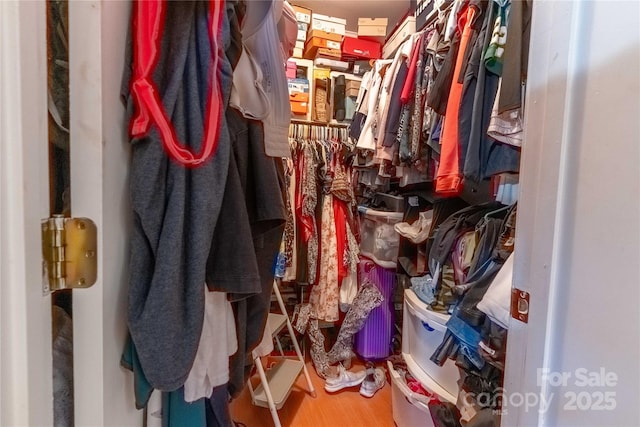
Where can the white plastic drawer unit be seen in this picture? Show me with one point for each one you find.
(409, 409)
(422, 333)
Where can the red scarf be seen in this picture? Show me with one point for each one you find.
(148, 24)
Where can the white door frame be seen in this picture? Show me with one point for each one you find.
(99, 172)
(103, 390)
(25, 314)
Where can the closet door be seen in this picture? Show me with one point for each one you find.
(578, 234)
(97, 157)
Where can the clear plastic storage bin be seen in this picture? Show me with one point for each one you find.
(379, 241)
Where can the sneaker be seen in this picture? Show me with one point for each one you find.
(344, 379)
(373, 382)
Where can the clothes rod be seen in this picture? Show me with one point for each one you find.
(316, 123)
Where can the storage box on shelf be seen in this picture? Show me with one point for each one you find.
(361, 67)
(298, 86)
(352, 89)
(379, 239)
(303, 27)
(302, 14)
(332, 64)
(326, 47)
(291, 69)
(372, 28)
(328, 35)
(304, 67)
(298, 50)
(400, 34)
(299, 103)
(330, 24)
(422, 333)
(390, 202)
(357, 48)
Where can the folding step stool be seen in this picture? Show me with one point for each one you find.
(276, 384)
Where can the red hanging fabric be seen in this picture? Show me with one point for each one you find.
(148, 25)
(449, 178)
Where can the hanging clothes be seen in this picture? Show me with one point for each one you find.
(324, 297)
(175, 208)
(484, 156)
(259, 37)
(449, 178)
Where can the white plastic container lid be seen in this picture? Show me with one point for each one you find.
(396, 216)
(418, 308)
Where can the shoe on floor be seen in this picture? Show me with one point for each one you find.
(373, 382)
(344, 379)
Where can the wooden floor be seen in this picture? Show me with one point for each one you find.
(345, 408)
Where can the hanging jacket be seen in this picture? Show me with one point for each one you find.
(449, 177)
(175, 208)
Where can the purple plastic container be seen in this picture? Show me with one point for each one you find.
(373, 341)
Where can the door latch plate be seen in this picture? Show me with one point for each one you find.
(520, 305)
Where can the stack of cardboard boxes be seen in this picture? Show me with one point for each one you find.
(335, 52)
(299, 87)
(303, 15)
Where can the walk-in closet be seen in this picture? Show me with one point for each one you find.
(307, 213)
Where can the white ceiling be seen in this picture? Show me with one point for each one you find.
(351, 10)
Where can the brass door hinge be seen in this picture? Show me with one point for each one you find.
(69, 253)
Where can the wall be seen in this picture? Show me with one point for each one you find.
(578, 221)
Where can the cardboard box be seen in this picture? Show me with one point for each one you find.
(303, 14)
(361, 67)
(328, 53)
(377, 22)
(372, 28)
(333, 64)
(330, 48)
(353, 84)
(300, 44)
(291, 69)
(328, 23)
(324, 35)
(402, 33)
(297, 52)
(360, 49)
(323, 43)
(298, 86)
(299, 102)
(321, 73)
(352, 88)
(353, 92)
(302, 31)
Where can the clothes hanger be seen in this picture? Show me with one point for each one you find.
(502, 209)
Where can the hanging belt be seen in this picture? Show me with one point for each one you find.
(148, 25)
